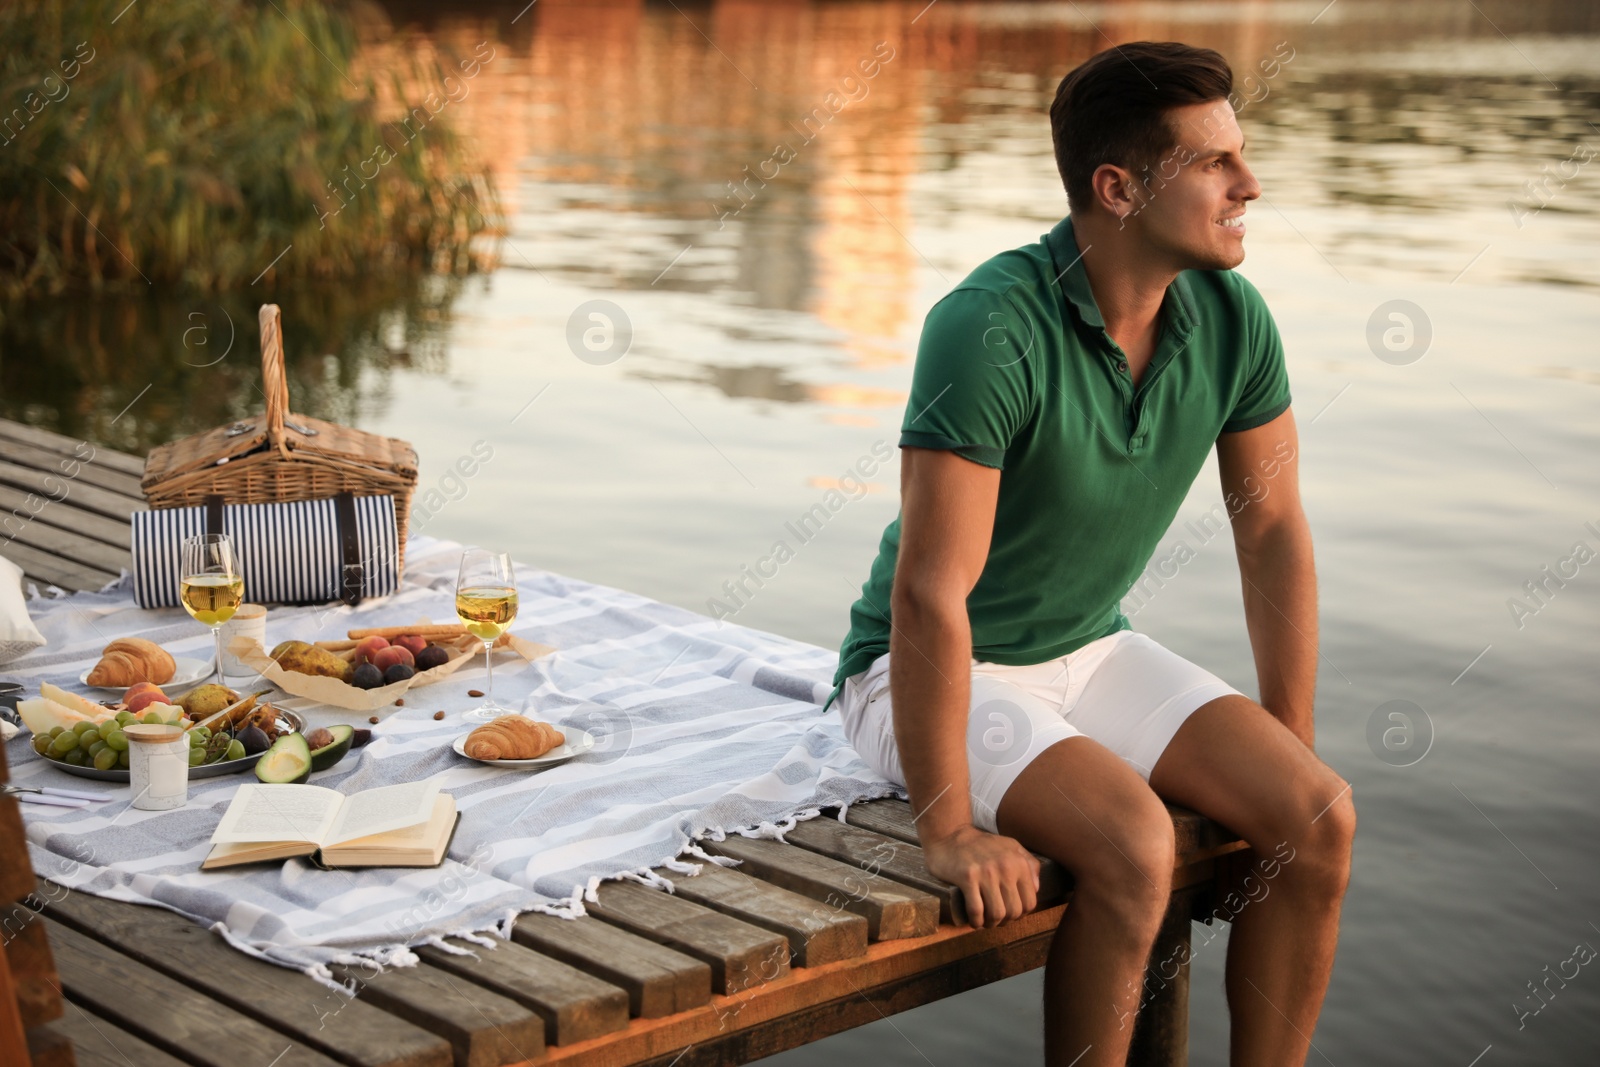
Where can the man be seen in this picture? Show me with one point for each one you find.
(1065, 397)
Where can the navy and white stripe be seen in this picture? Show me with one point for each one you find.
(289, 553)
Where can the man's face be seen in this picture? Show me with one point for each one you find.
(1193, 212)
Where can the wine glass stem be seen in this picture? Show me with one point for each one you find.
(216, 631)
(488, 666)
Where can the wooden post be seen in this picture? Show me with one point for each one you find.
(1161, 1031)
(29, 989)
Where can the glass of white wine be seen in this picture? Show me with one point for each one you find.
(486, 601)
(211, 587)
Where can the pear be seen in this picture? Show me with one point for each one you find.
(206, 700)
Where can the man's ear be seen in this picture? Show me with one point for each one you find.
(1116, 191)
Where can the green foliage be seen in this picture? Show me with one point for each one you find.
(190, 142)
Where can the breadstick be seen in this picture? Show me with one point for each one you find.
(430, 630)
(441, 639)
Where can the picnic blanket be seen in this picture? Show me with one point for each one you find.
(703, 728)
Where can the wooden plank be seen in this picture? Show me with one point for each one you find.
(658, 980)
(18, 510)
(816, 934)
(48, 569)
(814, 1002)
(48, 1047)
(49, 439)
(169, 1014)
(71, 466)
(889, 817)
(88, 497)
(102, 1043)
(33, 969)
(69, 544)
(740, 955)
(349, 1030)
(574, 1006)
(484, 1028)
(892, 910)
(878, 854)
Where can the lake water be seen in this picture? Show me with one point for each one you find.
(771, 337)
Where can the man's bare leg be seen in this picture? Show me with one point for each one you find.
(1085, 808)
(1234, 763)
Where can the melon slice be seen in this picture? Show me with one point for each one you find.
(42, 715)
(83, 705)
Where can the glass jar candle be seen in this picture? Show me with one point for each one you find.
(158, 765)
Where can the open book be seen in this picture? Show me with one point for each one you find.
(408, 825)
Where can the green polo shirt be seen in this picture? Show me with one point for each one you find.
(1017, 372)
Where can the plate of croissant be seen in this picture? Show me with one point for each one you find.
(518, 741)
(130, 660)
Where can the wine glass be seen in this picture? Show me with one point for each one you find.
(486, 601)
(211, 587)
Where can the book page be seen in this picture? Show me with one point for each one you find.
(224, 855)
(278, 813)
(375, 811)
(422, 845)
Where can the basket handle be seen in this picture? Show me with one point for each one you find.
(275, 382)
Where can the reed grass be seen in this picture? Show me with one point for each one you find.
(208, 144)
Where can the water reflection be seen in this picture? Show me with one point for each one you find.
(768, 154)
(133, 372)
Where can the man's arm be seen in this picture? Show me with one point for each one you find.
(1261, 489)
(946, 517)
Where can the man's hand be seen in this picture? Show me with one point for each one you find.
(998, 878)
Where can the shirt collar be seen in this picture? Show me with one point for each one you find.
(1179, 304)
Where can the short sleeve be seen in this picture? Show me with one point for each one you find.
(1266, 387)
(970, 389)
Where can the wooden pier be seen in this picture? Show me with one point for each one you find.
(838, 926)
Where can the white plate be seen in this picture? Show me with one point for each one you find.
(577, 743)
(190, 671)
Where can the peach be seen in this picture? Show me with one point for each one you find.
(368, 649)
(388, 657)
(142, 694)
(411, 643)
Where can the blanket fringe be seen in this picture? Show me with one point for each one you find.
(645, 876)
(721, 861)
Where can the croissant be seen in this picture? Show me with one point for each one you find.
(513, 737)
(132, 659)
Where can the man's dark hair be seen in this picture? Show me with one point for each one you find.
(1112, 108)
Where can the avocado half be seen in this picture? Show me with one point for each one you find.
(287, 762)
(334, 751)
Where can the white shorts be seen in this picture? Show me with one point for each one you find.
(1124, 690)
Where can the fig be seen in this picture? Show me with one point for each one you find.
(431, 657)
(255, 740)
(399, 672)
(366, 676)
(362, 738)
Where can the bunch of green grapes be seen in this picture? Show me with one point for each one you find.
(104, 746)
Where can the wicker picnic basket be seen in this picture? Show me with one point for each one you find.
(282, 457)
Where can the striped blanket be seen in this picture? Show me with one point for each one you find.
(703, 729)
